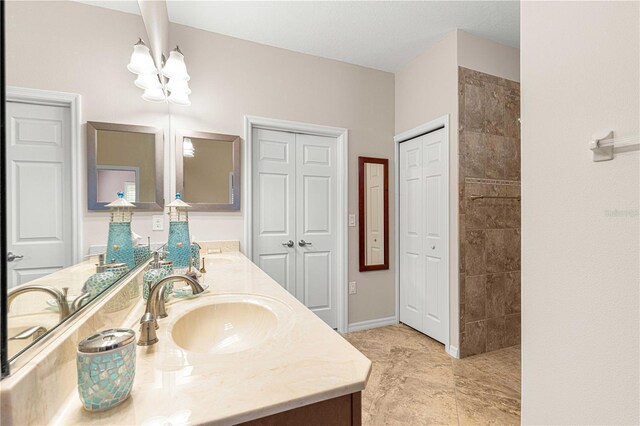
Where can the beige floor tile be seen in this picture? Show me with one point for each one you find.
(414, 382)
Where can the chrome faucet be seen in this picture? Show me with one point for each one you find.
(58, 296)
(156, 309)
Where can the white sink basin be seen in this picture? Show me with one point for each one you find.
(231, 323)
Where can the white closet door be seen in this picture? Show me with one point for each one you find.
(39, 198)
(411, 234)
(316, 225)
(274, 189)
(435, 248)
(424, 234)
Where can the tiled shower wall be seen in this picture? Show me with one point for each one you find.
(489, 160)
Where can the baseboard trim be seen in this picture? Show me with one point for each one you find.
(374, 323)
(453, 351)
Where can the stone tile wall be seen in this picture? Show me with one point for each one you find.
(489, 164)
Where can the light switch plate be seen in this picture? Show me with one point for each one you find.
(158, 222)
(353, 289)
(352, 220)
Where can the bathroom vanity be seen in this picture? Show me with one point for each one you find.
(243, 352)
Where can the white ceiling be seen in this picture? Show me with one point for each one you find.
(383, 35)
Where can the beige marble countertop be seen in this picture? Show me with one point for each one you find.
(306, 363)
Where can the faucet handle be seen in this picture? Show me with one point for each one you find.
(148, 325)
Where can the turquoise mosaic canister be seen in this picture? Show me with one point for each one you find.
(119, 245)
(179, 245)
(106, 364)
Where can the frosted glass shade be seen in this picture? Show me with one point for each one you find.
(179, 86)
(148, 81)
(154, 95)
(175, 67)
(141, 60)
(187, 148)
(179, 99)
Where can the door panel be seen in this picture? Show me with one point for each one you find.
(315, 204)
(423, 234)
(411, 228)
(39, 190)
(273, 200)
(435, 237)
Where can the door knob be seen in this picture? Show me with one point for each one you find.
(288, 243)
(11, 257)
(433, 247)
(303, 243)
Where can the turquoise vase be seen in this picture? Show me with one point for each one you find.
(119, 246)
(179, 247)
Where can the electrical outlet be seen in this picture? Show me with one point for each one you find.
(353, 289)
(158, 222)
(352, 220)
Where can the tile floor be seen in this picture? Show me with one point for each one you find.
(414, 382)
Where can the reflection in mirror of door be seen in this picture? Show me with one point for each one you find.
(125, 162)
(208, 171)
(374, 205)
(373, 209)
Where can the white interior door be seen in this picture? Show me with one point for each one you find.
(274, 190)
(294, 215)
(424, 234)
(374, 201)
(316, 235)
(38, 172)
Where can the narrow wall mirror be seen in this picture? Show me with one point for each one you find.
(124, 158)
(373, 176)
(208, 170)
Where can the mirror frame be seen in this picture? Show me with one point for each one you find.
(209, 207)
(92, 167)
(362, 161)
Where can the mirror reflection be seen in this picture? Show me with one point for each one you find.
(208, 170)
(57, 244)
(374, 208)
(127, 159)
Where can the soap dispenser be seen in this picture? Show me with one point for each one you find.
(179, 245)
(120, 246)
(101, 280)
(154, 273)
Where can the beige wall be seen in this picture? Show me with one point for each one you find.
(487, 56)
(427, 88)
(231, 78)
(580, 226)
(76, 48)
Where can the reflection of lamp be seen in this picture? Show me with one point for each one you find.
(141, 60)
(179, 246)
(176, 90)
(187, 148)
(119, 245)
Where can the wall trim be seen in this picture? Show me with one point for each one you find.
(374, 323)
(453, 351)
(72, 101)
(342, 137)
(441, 122)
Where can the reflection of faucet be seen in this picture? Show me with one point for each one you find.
(34, 332)
(58, 296)
(155, 306)
(80, 301)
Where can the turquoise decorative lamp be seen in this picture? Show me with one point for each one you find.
(179, 246)
(119, 246)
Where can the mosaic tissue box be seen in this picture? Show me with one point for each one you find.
(106, 368)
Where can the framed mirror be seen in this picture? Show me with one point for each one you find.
(373, 175)
(208, 170)
(128, 159)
